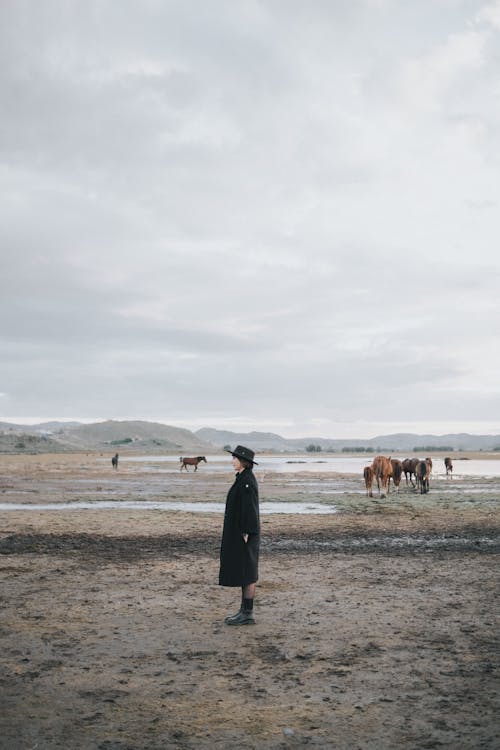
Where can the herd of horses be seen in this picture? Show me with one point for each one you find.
(384, 469)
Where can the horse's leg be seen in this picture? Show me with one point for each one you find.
(196, 467)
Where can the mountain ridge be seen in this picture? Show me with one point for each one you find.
(144, 436)
(394, 441)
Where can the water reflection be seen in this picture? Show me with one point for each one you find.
(329, 463)
(265, 507)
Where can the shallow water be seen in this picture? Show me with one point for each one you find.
(265, 507)
(294, 464)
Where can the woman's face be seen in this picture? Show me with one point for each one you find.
(237, 466)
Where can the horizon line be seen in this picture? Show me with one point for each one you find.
(35, 421)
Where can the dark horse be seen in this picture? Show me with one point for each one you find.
(409, 466)
(422, 471)
(185, 462)
(114, 461)
(368, 475)
(448, 465)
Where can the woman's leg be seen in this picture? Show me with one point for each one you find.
(248, 596)
(245, 615)
(249, 591)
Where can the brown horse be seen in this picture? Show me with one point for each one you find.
(368, 475)
(397, 471)
(185, 462)
(382, 471)
(114, 461)
(448, 466)
(409, 465)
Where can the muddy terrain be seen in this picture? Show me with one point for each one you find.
(377, 621)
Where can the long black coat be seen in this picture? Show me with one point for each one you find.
(239, 561)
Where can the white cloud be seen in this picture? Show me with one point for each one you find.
(294, 204)
(490, 14)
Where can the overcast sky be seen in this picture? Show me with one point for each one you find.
(277, 215)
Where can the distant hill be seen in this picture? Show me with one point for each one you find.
(121, 436)
(266, 441)
(22, 442)
(153, 437)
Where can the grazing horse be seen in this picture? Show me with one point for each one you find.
(422, 471)
(409, 465)
(397, 471)
(114, 461)
(185, 462)
(382, 471)
(448, 466)
(368, 475)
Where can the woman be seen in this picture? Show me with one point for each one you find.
(239, 552)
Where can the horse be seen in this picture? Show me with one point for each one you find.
(382, 471)
(448, 466)
(408, 466)
(114, 461)
(397, 471)
(185, 462)
(368, 475)
(422, 471)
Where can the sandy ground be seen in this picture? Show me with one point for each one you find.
(377, 625)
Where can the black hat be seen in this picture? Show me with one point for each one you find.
(241, 452)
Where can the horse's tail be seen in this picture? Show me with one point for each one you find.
(181, 459)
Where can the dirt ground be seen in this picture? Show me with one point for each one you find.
(377, 625)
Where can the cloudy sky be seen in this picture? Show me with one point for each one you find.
(251, 214)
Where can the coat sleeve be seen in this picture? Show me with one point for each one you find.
(249, 517)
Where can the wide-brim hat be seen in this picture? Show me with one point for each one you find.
(241, 452)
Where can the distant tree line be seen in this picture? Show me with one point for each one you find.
(431, 448)
(314, 448)
(358, 449)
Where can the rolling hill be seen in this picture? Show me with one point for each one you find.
(268, 441)
(138, 436)
(153, 437)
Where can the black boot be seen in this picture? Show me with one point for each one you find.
(231, 617)
(244, 616)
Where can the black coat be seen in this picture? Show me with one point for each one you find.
(239, 561)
